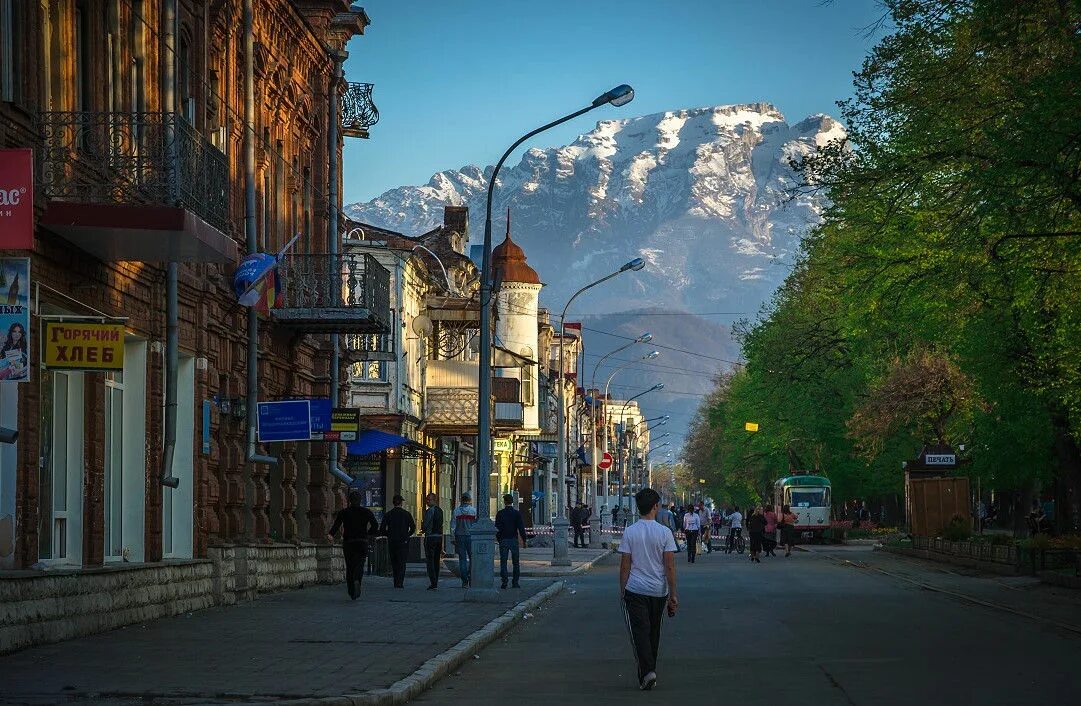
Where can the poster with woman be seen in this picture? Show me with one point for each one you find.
(14, 319)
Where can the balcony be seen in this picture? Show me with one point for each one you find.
(334, 294)
(450, 405)
(358, 111)
(364, 347)
(145, 187)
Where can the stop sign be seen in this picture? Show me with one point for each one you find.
(606, 461)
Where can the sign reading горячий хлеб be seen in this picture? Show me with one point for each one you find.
(81, 346)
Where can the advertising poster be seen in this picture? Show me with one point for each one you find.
(369, 478)
(15, 319)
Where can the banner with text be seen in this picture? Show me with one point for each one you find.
(17, 199)
(15, 319)
(82, 346)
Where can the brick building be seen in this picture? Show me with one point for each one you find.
(136, 115)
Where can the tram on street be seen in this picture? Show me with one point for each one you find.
(809, 498)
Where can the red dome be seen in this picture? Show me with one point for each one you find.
(509, 263)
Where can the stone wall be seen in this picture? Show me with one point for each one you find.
(38, 608)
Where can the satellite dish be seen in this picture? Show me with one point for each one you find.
(422, 325)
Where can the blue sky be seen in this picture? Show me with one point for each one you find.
(456, 82)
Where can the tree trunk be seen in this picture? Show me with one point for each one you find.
(1068, 473)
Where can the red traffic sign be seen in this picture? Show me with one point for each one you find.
(606, 461)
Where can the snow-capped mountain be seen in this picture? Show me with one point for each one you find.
(700, 194)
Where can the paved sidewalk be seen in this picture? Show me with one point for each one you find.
(295, 644)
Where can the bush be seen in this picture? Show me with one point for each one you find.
(958, 530)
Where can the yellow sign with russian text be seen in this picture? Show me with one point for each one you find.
(82, 346)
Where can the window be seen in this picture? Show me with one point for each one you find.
(83, 59)
(114, 465)
(528, 379)
(60, 483)
(11, 59)
(185, 98)
(370, 371)
(307, 211)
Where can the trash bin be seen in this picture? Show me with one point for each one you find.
(379, 559)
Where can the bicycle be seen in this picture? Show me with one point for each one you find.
(735, 541)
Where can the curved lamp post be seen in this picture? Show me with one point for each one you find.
(483, 531)
(623, 437)
(450, 287)
(606, 512)
(559, 526)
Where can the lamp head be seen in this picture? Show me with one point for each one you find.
(651, 355)
(620, 95)
(635, 264)
(647, 337)
(658, 386)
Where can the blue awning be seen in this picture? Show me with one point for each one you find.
(371, 441)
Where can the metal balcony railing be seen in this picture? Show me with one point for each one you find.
(369, 346)
(348, 293)
(358, 111)
(127, 158)
(451, 407)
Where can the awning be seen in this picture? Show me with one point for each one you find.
(372, 441)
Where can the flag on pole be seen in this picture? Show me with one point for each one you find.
(257, 282)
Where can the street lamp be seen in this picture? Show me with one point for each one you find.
(483, 584)
(595, 537)
(623, 435)
(559, 526)
(606, 513)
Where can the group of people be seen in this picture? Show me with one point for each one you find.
(700, 525)
(358, 525)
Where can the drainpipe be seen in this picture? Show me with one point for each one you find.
(249, 229)
(172, 336)
(333, 171)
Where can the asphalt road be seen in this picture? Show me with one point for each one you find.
(804, 630)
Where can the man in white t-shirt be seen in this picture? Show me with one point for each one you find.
(692, 525)
(647, 582)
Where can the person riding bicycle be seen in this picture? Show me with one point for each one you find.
(735, 528)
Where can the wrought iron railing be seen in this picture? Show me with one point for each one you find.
(127, 158)
(358, 111)
(347, 281)
(451, 406)
(369, 346)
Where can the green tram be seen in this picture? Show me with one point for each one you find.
(809, 498)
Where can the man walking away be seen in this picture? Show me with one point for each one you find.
(464, 517)
(357, 523)
(509, 528)
(667, 518)
(647, 581)
(578, 522)
(691, 526)
(398, 526)
(432, 526)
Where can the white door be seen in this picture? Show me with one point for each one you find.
(62, 470)
(177, 514)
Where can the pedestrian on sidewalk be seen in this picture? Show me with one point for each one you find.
(578, 523)
(691, 526)
(398, 526)
(667, 518)
(647, 582)
(756, 525)
(509, 529)
(464, 517)
(357, 524)
(615, 516)
(788, 528)
(769, 541)
(432, 527)
(704, 521)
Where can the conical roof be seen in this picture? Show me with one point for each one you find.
(509, 262)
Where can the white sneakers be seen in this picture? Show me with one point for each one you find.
(648, 681)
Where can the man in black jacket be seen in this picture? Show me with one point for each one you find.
(509, 527)
(356, 523)
(398, 526)
(432, 526)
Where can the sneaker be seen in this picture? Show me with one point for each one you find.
(648, 681)
(503, 586)
(431, 588)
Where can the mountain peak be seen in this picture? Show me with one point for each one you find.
(702, 194)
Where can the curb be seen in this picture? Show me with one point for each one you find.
(437, 667)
